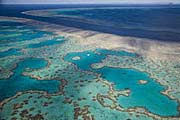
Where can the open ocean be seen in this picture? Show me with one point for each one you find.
(156, 22)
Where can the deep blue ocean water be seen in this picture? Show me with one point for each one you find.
(147, 95)
(154, 21)
(161, 23)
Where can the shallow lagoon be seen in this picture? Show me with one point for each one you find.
(47, 43)
(146, 95)
(87, 58)
(142, 95)
(23, 36)
(18, 32)
(10, 52)
(19, 83)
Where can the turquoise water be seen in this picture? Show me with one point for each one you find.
(10, 52)
(142, 95)
(24, 36)
(89, 57)
(47, 43)
(19, 83)
(29, 34)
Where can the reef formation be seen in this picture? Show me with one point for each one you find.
(51, 72)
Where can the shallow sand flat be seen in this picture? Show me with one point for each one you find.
(90, 40)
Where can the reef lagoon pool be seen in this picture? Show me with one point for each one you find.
(147, 95)
(19, 83)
